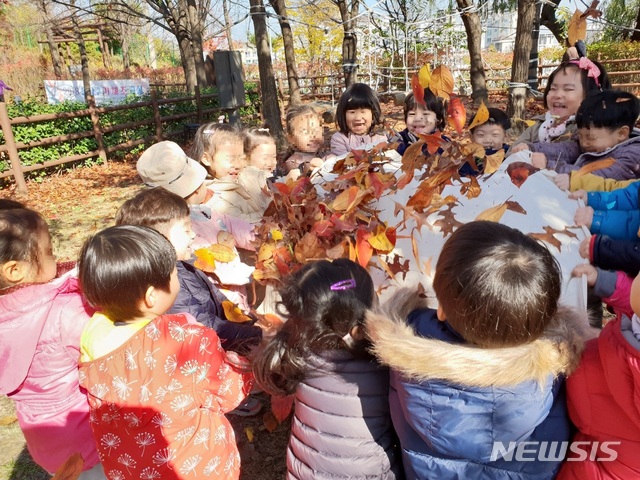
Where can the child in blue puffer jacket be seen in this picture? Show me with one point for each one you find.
(477, 385)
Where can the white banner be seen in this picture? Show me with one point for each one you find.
(104, 91)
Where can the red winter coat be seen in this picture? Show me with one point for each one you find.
(158, 403)
(603, 403)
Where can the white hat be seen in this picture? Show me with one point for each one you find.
(166, 165)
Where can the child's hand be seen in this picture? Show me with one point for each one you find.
(539, 160)
(293, 175)
(519, 148)
(584, 216)
(579, 195)
(562, 181)
(315, 163)
(586, 269)
(585, 246)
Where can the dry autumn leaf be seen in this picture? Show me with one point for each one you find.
(233, 313)
(519, 172)
(269, 421)
(281, 407)
(481, 116)
(205, 260)
(417, 89)
(70, 469)
(493, 214)
(441, 83)
(349, 199)
(424, 75)
(493, 162)
(593, 166)
(456, 114)
(448, 222)
(577, 29)
(248, 431)
(380, 241)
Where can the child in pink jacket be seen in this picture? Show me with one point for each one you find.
(41, 319)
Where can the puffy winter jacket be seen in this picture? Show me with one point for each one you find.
(532, 133)
(616, 213)
(461, 412)
(594, 183)
(40, 328)
(603, 403)
(610, 254)
(341, 426)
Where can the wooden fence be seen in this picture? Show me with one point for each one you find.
(11, 147)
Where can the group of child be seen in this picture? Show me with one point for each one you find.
(381, 391)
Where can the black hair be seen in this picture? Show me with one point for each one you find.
(496, 117)
(497, 286)
(317, 318)
(209, 135)
(589, 84)
(8, 204)
(358, 95)
(252, 137)
(156, 208)
(118, 265)
(433, 104)
(609, 109)
(19, 230)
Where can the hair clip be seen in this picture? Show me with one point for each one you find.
(592, 70)
(263, 130)
(344, 285)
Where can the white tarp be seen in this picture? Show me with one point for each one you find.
(105, 92)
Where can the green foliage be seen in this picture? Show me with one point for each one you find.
(619, 13)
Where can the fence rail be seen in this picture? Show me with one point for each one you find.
(12, 148)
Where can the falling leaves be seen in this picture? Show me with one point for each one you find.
(482, 116)
(457, 115)
(233, 313)
(70, 469)
(448, 221)
(494, 214)
(281, 407)
(441, 83)
(493, 162)
(577, 29)
(594, 166)
(418, 90)
(549, 236)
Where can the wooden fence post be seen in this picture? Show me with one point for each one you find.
(10, 142)
(156, 115)
(198, 104)
(97, 133)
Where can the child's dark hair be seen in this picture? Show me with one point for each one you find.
(433, 104)
(609, 109)
(19, 230)
(497, 286)
(322, 302)
(496, 117)
(358, 95)
(296, 111)
(253, 137)
(119, 264)
(8, 204)
(589, 84)
(211, 134)
(155, 208)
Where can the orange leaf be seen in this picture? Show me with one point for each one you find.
(519, 172)
(493, 162)
(577, 29)
(281, 407)
(593, 166)
(414, 248)
(482, 115)
(233, 312)
(205, 260)
(386, 268)
(270, 422)
(379, 241)
(457, 115)
(348, 199)
(70, 469)
(323, 228)
(363, 247)
(418, 90)
(282, 188)
(441, 82)
(308, 248)
(222, 253)
(433, 141)
(338, 250)
(266, 251)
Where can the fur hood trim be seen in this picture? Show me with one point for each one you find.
(557, 352)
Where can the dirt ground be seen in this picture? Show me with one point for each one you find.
(84, 201)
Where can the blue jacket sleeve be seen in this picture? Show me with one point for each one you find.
(611, 254)
(619, 199)
(618, 224)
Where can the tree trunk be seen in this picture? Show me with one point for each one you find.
(227, 24)
(549, 20)
(84, 60)
(124, 42)
(635, 36)
(195, 30)
(473, 27)
(188, 61)
(289, 51)
(520, 66)
(349, 40)
(53, 48)
(270, 108)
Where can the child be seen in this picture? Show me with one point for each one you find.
(260, 150)
(487, 365)
(616, 213)
(167, 213)
(420, 119)
(567, 86)
(305, 137)
(357, 114)
(220, 149)
(605, 122)
(602, 397)
(491, 135)
(590, 182)
(158, 384)
(41, 318)
(341, 426)
(609, 254)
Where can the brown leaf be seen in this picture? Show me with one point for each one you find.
(549, 237)
(308, 248)
(441, 83)
(8, 420)
(281, 407)
(70, 469)
(386, 268)
(471, 188)
(270, 421)
(399, 267)
(577, 29)
(515, 207)
(493, 214)
(519, 172)
(448, 222)
(593, 166)
(493, 162)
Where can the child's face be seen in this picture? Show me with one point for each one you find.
(566, 93)
(421, 120)
(596, 140)
(181, 237)
(306, 133)
(228, 160)
(46, 270)
(359, 120)
(263, 157)
(489, 136)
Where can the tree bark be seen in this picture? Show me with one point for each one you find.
(227, 24)
(269, 94)
(520, 66)
(289, 51)
(349, 40)
(549, 20)
(188, 61)
(53, 47)
(635, 36)
(84, 60)
(196, 28)
(473, 27)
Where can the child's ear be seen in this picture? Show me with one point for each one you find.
(357, 332)
(150, 297)
(623, 133)
(14, 271)
(206, 160)
(440, 313)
